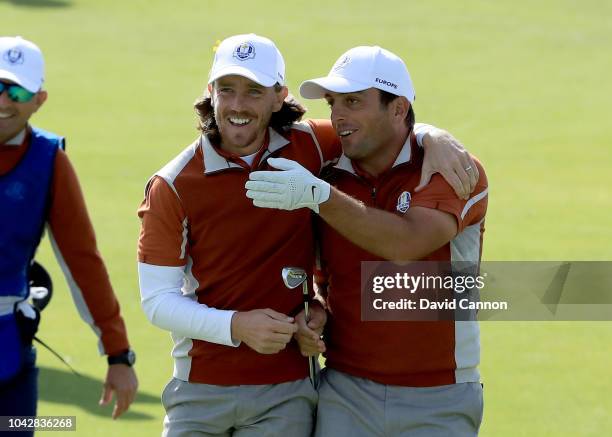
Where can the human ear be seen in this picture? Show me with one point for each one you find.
(280, 98)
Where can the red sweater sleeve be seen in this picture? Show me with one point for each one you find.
(163, 231)
(74, 242)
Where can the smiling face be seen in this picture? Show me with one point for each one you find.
(243, 109)
(361, 122)
(14, 116)
(369, 131)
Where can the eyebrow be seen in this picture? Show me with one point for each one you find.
(252, 85)
(328, 96)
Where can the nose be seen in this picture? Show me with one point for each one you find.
(337, 114)
(237, 103)
(4, 98)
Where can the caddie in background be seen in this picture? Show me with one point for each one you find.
(38, 188)
(383, 378)
(210, 262)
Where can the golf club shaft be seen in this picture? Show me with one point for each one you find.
(311, 360)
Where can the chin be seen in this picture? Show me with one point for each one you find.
(350, 148)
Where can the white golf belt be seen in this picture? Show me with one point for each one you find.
(7, 304)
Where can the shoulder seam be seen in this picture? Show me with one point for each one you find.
(304, 126)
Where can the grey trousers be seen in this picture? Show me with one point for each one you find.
(358, 407)
(285, 409)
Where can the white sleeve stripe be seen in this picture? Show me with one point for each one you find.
(305, 127)
(168, 308)
(169, 182)
(184, 242)
(478, 197)
(331, 161)
(75, 290)
(171, 170)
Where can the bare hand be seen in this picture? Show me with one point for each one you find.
(308, 335)
(265, 331)
(122, 380)
(447, 156)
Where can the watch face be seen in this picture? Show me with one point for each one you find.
(131, 357)
(128, 358)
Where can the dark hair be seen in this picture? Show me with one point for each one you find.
(386, 98)
(289, 113)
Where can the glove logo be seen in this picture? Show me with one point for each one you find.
(403, 202)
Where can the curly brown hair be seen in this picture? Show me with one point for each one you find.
(290, 112)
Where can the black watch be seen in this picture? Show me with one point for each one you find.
(127, 357)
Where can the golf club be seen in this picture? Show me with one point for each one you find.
(293, 277)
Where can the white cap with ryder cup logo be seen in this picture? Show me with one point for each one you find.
(251, 56)
(21, 61)
(361, 68)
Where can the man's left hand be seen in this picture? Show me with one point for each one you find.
(447, 156)
(293, 188)
(120, 379)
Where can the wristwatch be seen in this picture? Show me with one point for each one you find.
(127, 357)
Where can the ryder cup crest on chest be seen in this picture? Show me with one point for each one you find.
(403, 202)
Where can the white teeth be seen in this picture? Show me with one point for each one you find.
(240, 121)
(345, 133)
(5, 115)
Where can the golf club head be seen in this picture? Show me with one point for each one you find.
(40, 280)
(293, 277)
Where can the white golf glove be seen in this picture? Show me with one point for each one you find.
(293, 188)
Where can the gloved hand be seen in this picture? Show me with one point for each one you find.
(293, 188)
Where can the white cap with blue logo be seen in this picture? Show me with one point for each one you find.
(21, 61)
(251, 56)
(361, 68)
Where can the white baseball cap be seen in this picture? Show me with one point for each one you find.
(361, 68)
(21, 61)
(250, 56)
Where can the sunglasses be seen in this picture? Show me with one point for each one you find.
(16, 93)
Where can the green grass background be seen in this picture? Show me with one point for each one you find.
(525, 85)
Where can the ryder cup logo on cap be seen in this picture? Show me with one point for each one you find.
(14, 56)
(21, 61)
(341, 63)
(359, 69)
(244, 51)
(251, 56)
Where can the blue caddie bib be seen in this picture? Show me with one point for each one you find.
(24, 194)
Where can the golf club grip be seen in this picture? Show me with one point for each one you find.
(306, 299)
(311, 360)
